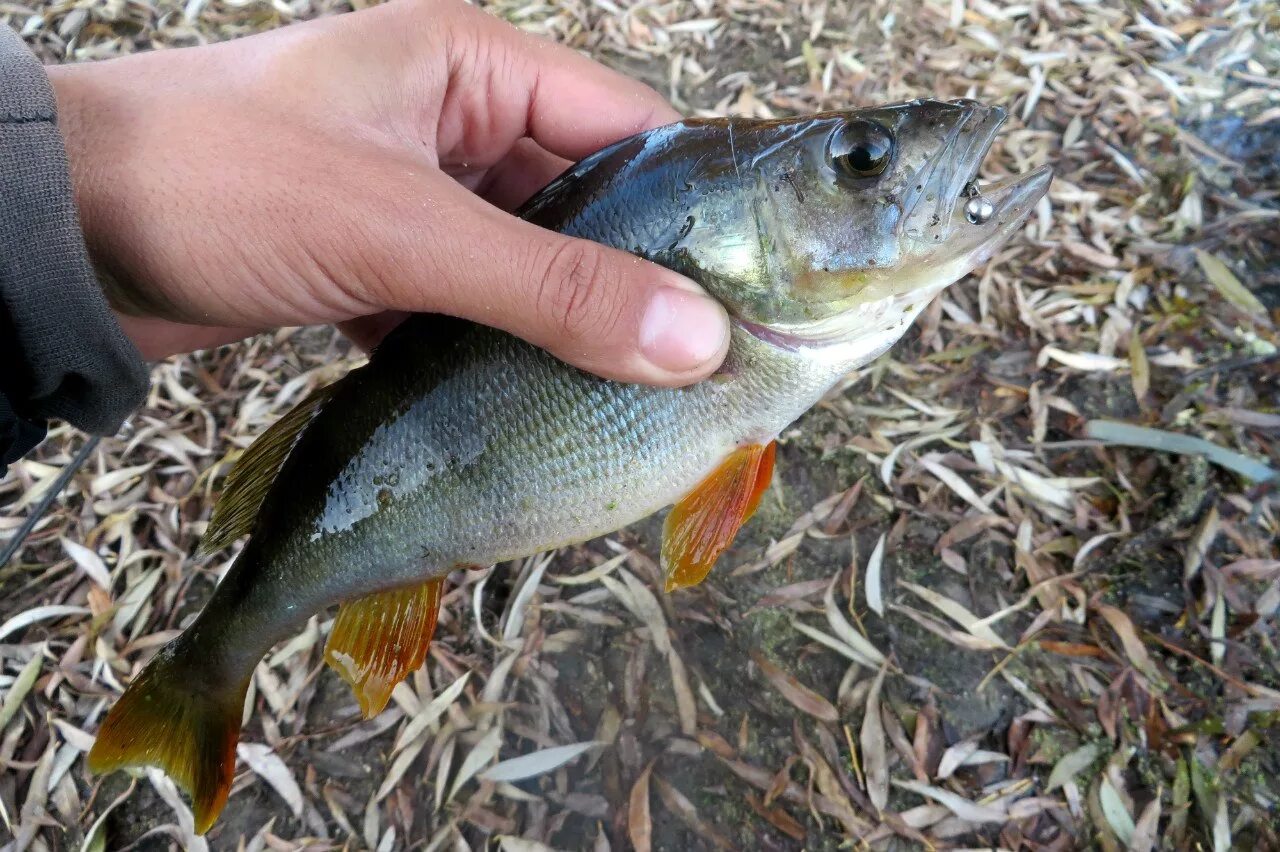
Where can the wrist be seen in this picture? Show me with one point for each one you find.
(69, 91)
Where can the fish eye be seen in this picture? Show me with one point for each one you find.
(861, 149)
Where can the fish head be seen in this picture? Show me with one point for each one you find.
(843, 222)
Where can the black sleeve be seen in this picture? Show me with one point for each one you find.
(62, 354)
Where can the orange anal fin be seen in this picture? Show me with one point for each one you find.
(173, 717)
(379, 640)
(764, 475)
(703, 524)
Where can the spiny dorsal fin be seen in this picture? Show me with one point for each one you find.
(379, 640)
(251, 476)
(705, 522)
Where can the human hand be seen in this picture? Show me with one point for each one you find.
(352, 168)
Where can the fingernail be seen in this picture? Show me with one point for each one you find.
(682, 331)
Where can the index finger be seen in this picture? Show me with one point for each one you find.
(570, 105)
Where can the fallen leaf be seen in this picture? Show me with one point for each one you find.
(1117, 816)
(639, 822)
(39, 613)
(958, 805)
(1140, 367)
(875, 762)
(1226, 282)
(804, 698)
(871, 585)
(483, 752)
(536, 763)
(429, 714)
(18, 690)
(1072, 764)
(267, 765)
(1134, 649)
(90, 563)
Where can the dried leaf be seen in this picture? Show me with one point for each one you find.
(875, 761)
(871, 584)
(39, 613)
(1134, 649)
(956, 613)
(1147, 830)
(1117, 815)
(537, 763)
(956, 483)
(639, 822)
(429, 714)
(18, 690)
(958, 805)
(1226, 282)
(1072, 764)
(89, 562)
(860, 645)
(804, 698)
(680, 805)
(483, 752)
(1140, 367)
(686, 705)
(267, 765)
(1201, 542)
(508, 843)
(1221, 827)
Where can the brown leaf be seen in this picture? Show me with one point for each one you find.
(968, 528)
(1134, 649)
(639, 824)
(712, 741)
(778, 818)
(804, 698)
(684, 809)
(875, 761)
(1140, 367)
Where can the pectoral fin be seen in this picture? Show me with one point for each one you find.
(704, 523)
(379, 640)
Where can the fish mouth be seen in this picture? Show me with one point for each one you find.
(977, 219)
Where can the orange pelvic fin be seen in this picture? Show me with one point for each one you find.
(704, 523)
(172, 718)
(379, 640)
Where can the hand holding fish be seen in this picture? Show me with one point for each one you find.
(350, 169)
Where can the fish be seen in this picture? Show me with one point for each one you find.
(458, 445)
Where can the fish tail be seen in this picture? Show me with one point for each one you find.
(175, 717)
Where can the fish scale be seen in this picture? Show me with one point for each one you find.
(457, 445)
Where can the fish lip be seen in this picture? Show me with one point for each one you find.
(954, 170)
(1012, 197)
(989, 120)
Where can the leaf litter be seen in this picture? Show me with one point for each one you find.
(1037, 438)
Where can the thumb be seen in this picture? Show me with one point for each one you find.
(598, 308)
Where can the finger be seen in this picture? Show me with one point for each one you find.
(526, 169)
(601, 309)
(367, 332)
(159, 338)
(578, 106)
(506, 84)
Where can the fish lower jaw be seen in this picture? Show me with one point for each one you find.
(864, 330)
